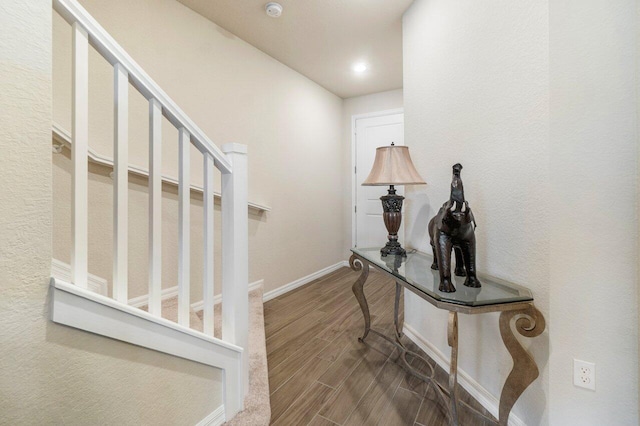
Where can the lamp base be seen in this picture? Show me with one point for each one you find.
(393, 248)
(392, 215)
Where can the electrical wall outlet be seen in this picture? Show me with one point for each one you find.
(584, 374)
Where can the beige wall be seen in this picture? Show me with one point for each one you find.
(375, 102)
(50, 374)
(593, 161)
(235, 93)
(538, 101)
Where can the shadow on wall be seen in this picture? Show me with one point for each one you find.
(419, 237)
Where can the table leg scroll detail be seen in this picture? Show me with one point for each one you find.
(358, 290)
(529, 323)
(398, 317)
(452, 340)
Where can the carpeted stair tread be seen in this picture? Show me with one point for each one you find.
(257, 404)
(170, 312)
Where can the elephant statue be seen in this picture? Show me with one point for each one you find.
(454, 228)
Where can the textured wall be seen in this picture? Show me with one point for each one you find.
(594, 170)
(50, 374)
(235, 93)
(391, 99)
(476, 92)
(538, 101)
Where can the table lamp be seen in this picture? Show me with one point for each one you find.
(393, 166)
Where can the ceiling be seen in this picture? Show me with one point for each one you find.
(322, 39)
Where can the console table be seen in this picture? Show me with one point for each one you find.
(515, 303)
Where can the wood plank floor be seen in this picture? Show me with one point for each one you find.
(319, 374)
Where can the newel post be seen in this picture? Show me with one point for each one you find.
(235, 254)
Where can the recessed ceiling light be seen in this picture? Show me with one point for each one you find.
(359, 68)
(273, 9)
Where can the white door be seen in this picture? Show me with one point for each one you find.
(371, 133)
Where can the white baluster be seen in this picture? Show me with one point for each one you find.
(207, 284)
(79, 150)
(184, 224)
(155, 207)
(235, 253)
(120, 182)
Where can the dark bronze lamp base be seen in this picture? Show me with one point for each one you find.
(392, 208)
(393, 248)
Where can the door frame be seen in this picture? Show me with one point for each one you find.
(354, 118)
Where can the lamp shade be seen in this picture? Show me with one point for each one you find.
(393, 166)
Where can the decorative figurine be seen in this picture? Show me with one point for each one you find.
(453, 228)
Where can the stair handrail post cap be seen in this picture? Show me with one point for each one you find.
(236, 148)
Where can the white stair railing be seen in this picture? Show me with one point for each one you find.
(231, 162)
(120, 184)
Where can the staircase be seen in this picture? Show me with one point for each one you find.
(169, 326)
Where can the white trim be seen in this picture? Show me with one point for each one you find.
(184, 228)
(63, 137)
(79, 168)
(62, 271)
(198, 306)
(216, 418)
(82, 309)
(61, 288)
(120, 274)
(208, 246)
(302, 281)
(354, 118)
(475, 389)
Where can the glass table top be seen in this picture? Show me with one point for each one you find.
(415, 270)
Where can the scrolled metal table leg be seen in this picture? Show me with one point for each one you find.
(357, 264)
(530, 323)
(452, 340)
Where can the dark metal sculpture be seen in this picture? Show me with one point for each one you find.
(454, 228)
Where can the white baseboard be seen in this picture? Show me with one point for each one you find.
(216, 418)
(62, 271)
(479, 393)
(302, 281)
(198, 306)
(168, 293)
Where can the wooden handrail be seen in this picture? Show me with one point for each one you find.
(63, 137)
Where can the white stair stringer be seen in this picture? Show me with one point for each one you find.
(85, 310)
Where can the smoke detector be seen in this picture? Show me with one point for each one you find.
(273, 9)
